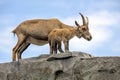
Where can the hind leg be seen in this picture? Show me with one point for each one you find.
(55, 48)
(23, 47)
(21, 39)
(59, 47)
(51, 47)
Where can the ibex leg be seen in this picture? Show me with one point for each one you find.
(59, 47)
(19, 43)
(66, 45)
(23, 47)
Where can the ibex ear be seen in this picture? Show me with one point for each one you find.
(76, 23)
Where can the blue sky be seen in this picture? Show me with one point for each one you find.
(104, 20)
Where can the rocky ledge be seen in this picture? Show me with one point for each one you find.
(66, 66)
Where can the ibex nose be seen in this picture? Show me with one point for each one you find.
(89, 38)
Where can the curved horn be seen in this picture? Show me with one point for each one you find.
(83, 19)
(87, 22)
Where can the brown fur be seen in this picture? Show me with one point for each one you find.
(35, 32)
(56, 36)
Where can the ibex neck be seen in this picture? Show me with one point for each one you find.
(73, 32)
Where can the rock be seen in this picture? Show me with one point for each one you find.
(66, 66)
(68, 55)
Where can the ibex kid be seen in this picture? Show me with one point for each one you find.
(56, 36)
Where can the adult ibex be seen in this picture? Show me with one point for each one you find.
(56, 36)
(36, 32)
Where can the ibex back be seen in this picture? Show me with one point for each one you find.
(35, 32)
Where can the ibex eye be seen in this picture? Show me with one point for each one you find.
(84, 29)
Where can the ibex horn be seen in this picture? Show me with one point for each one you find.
(83, 19)
(87, 21)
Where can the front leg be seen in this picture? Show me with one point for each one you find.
(66, 45)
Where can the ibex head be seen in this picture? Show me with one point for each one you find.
(83, 30)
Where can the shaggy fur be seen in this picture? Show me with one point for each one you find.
(56, 36)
